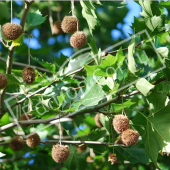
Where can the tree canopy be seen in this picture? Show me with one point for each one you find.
(81, 92)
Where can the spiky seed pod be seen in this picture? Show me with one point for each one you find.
(33, 140)
(82, 148)
(112, 158)
(130, 137)
(17, 143)
(78, 39)
(26, 116)
(57, 28)
(97, 120)
(11, 31)
(60, 153)
(28, 75)
(3, 81)
(120, 123)
(69, 24)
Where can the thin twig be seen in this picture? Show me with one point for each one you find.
(72, 142)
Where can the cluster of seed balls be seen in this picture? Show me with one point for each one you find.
(70, 25)
(60, 153)
(121, 125)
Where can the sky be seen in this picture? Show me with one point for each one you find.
(134, 10)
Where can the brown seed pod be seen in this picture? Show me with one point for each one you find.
(130, 137)
(120, 123)
(112, 158)
(60, 153)
(97, 120)
(26, 116)
(57, 28)
(3, 81)
(28, 75)
(11, 31)
(17, 143)
(33, 140)
(78, 39)
(69, 24)
(81, 148)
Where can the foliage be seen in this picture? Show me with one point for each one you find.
(132, 79)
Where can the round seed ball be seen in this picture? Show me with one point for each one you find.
(60, 153)
(11, 31)
(28, 75)
(97, 120)
(69, 24)
(130, 137)
(120, 123)
(3, 81)
(57, 28)
(17, 143)
(78, 39)
(33, 140)
(26, 116)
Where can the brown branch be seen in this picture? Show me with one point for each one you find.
(72, 142)
(51, 121)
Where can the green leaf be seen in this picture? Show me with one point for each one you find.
(105, 122)
(144, 86)
(34, 19)
(149, 8)
(133, 154)
(92, 94)
(48, 66)
(18, 41)
(165, 4)
(108, 66)
(88, 12)
(4, 10)
(156, 101)
(5, 119)
(118, 107)
(156, 24)
(75, 160)
(12, 79)
(131, 60)
(95, 53)
(163, 51)
(156, 136)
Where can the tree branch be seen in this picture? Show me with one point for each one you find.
(10, 57)
(51, 121)
(73, 142)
